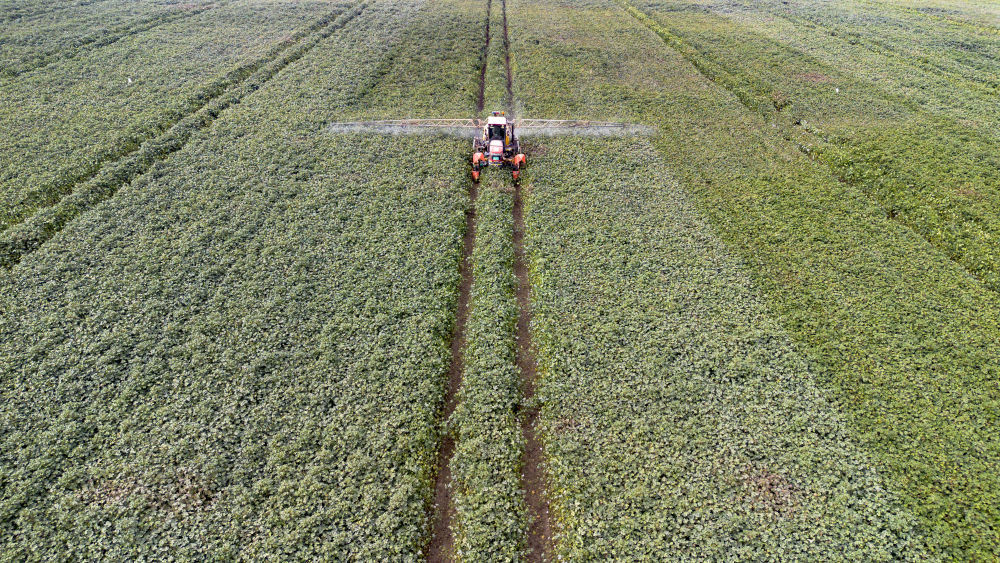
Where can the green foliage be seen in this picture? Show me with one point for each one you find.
(902, 337)
(491, 518)
(241, 355)
(27, 236)
(63, 123)
(36, 40)
(930, 168)
(225, 329)
(679, 419)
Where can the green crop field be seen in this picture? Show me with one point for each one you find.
(242, 318)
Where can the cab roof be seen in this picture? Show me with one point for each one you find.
(496, 120)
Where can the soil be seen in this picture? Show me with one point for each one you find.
(533, 476)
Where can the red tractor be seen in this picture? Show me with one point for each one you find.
(498, 146)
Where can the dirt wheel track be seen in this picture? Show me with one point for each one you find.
(539, 539)
(441, 547)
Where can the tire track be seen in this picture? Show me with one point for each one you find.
(484, 57)
(441, 547)
(442, 542)
(506, 60)
(26, 237)
(539, 540)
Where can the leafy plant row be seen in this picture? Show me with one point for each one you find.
(905, 340)
(840, 37)
(495, 95)
(14, 10)
(242, 354)
(64, 124)
(490, 513)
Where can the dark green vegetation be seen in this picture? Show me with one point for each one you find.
(768, 331)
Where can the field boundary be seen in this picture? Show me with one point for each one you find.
(97, 41)
(26, 237)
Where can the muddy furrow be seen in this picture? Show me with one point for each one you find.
(21, 239)
(539, 540)
(442, 542)
(539, 521)
(441, 547)
(506, 59)
(481, 99)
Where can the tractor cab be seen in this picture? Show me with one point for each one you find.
(497, 132)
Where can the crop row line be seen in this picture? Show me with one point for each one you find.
(980, 28)
(441, 546)
(98, 40)
(506, 60)
(533, 480)
(26, 237)
(533, 476)
(758, 101)
(483, 59)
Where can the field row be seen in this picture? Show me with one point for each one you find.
(927, 169)
(30, 234)
(755, 336)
